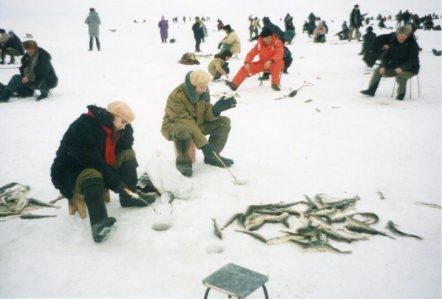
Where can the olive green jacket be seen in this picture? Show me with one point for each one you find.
(216, 67)
(185, 106)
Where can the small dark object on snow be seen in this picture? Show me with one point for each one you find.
(172, 41)
(294, 92)
(32, 216)
(437, 53)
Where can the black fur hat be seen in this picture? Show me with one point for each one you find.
(227, 28)
(266, 32)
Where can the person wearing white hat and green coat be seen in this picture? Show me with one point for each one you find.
(189, 117)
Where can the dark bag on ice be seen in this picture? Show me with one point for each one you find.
(188, 59)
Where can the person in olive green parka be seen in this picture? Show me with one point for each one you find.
(189, 116)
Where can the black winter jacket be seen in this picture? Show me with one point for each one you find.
(368, 40)
(274, 28)
(404, 55)
(82, 147)
(15, 43)
(376, 49)
(198, 32)
(355, 18)
(43, 70)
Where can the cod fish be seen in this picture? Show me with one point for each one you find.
(33, 216)
(259, 221)
(253, 234)
(360, 227)
(216, 229)
(392, 227)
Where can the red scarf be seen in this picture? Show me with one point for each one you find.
(110, 143)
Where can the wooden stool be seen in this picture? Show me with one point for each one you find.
(236, 281)
(191, 152)
(77, 204)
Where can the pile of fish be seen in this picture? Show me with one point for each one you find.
(323, 219)
(14, 200)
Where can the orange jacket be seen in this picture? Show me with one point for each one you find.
(274, 51)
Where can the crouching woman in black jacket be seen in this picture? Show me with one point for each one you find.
(96, 153)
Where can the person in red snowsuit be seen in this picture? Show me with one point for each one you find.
(270, 51)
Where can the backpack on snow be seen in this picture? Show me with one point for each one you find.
(188, 59)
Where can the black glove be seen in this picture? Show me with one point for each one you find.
(219, 46)
(223, 104)
(208, 150)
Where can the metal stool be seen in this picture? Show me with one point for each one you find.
(236, 281)
(411, 84)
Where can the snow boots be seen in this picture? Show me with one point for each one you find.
(183, 161)
(128, 174)
(371, 90)
(231, 85)
(276, 87)
(400, 97)
(101, 224)
(211, 159)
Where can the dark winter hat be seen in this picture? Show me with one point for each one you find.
(369, 28)
(266, 31)
(227, 28)
(225, 53)
(2, 30)
(266, 20)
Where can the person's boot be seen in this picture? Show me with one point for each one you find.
(128, 174)
(43, 95)
(5, 95)
(231, 85)
(211, 159)
(183, 161)
(276, 87)
(400, 97)
(370, 91)
(101, 224)
(12, 61)
(90, 44)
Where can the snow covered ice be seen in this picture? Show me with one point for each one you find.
(340, 143)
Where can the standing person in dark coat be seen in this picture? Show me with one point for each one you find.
(36, 72)
(12, 47)
(164, 29)
(355, 23)
(367, 40)
(289, 28)
(93, 21)
(96, 153)
(198, 33)
(401, 60)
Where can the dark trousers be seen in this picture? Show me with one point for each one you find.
(197, 44)
(15, 84)
(91, 43)
(287, 62)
